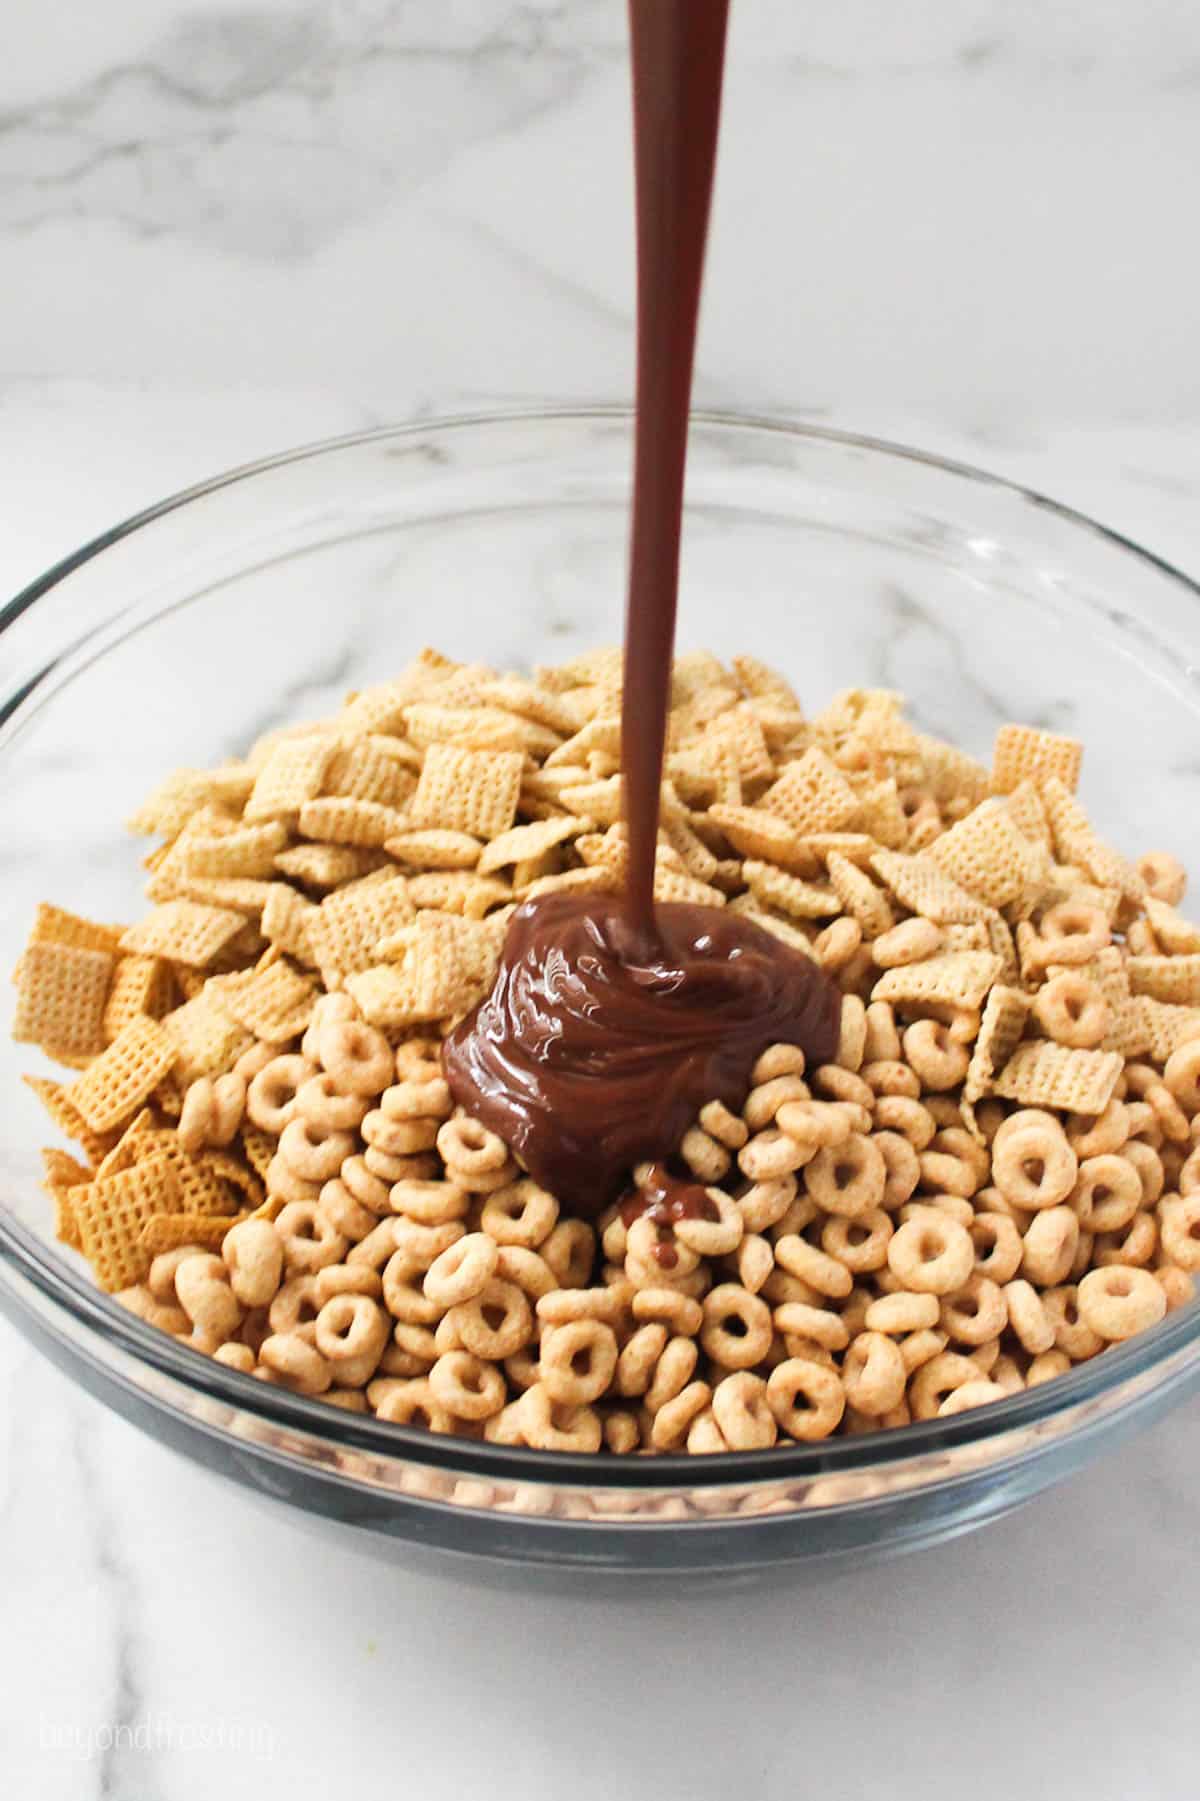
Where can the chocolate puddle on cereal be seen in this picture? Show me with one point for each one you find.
(613, 1020)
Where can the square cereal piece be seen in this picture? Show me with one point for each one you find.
(1175, 979)
(950, 773)
(56, 1099)
(206, 1040)
(124, 1153)
(1000, 1030)
(881, 814)
(531, 701)
(111, 1214)
(434, 849)
(61, 996)
(475, 728)
(1029, 813)
(386, 997)
(351, 922)
(290, 923)
(1041, 1074)
(202, 1188)
(812, 794)
(602, 801)
(328, 865)
(521, 842)
(600, 877)
(860, 898)
(185, 791)
(1177, 936)
(124, 1075)
(457, 891)
(184, 932)
(139, 985)
(360, 770)
(955, 978)
(171, 1231)
(740, 730)
(1022, 751)
(760, 682)
(766, 837)
(239, 1178)
(922, 886)
(1163, 1027)
(446, 964)
(274, 1001)
(988, 855)
(247, 851)
(363, 823)
(54, 925)
(788, 894)
(472, 791)
(291, 774)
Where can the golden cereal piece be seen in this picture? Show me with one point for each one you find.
(959, 978)
(468, 790)
(1022, 751)
(62, 991)
(812, 795)
(1041, 1074)
(184, 932)
(124, 1075)
(290, 775)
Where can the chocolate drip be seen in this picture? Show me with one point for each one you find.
(613, 1021)
(587, 1061)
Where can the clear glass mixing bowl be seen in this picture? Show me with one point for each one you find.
(262, 596)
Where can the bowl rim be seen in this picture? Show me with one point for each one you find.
(68, 1289)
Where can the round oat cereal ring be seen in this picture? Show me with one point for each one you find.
(806, 1399)
(1119, 1301)
(578, 1360)
(1071, 1009)
(931, 1253)
(466, 1386)
(742, 1413)
(1033, 1165)
(357, 1056)
(736, 1333)
(848, 1179)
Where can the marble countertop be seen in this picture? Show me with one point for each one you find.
(237, 230)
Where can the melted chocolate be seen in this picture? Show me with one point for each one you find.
(665, 1199)
(613, 1021)
(587, 1060)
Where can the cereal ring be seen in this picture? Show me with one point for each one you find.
(570, 1251)
(724, 1126)
(736, 1332)
(1182, 1076)
(860, 1244)
(975, 1313)
(817, 1325)
(550, 1425)
(1107, 1194)
(772, 1153)
(1179, 1225)
(312, 1154)
(1046, 1367)
(462, 1271)
(346, 1278)
(578, 1360)
(903, 1166)
(933, 1054)
(833, 1083)
(705, 1158)
(814, 1124)
(531, 1273)
(971, 1394)
(1028, 1317)
(271, 1096)
(902, 1311)
(777, 1060)
(1119, 1302)
(741, 1413)
(377, 1247)
(681, 1312)
(713, 1237)
(295, 1363)
(202, 1285)
(366, 1187)
(673, 1419)
(1072, 932)
(212, 1111)
(755, 1261)
(1072, 1333)
(1033, 1166)
(906, 1118)
(1148, 1164)
(235, 1357)
(938, 1379)
(467, 1145)
(357, 1056)
(429, 1203)
(309, 1242)
(419, 1060)
(826, 1274)
(892, 1078)
(1177, 1286)
(141, 1301)
(253, 1254)
(390, 1170)
(932, 1254)
(398, 1137)
(1137, 1245)
(998, 1246)
(848, 1179)
(1049, 1246)
(1164, 876)
(352, 1330)
(562, 1306)
(417, 1100)
(673, 1372)
(873, 1374)
(920, 1348)
(326, 1109)
(836, 945)
(411, 1403)
(1100, 1134)
(639, 1358)
(883, 1040)
(1071, 1009)
(254, 1059)
(953, 1205)
(296, 1305)
(795, 1381)
(520, 1214)
(764, 1203)
(910, 942)
(954, 1163)
(467, 1387)
(496, 1323)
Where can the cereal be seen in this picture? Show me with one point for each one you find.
(993, 1179)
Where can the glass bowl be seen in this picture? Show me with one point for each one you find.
(261, 597)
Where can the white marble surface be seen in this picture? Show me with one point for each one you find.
(227, 229)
